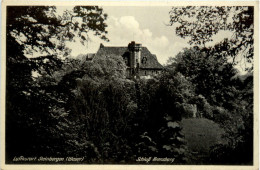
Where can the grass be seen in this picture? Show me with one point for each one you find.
(200, 134)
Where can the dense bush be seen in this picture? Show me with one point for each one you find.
(222, 95)
(116, 120)
(89, 109)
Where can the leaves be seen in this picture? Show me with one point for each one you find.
(201, 23)
(220, 95)
(41, 30)
(36, 100)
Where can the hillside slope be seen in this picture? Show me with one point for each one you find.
(200, 135)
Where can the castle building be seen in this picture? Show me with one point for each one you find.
(139, 60)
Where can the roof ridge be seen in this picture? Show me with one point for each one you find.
(121, 47)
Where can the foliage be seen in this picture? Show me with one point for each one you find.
(222, 95)
(201, 23)
(161, 101)
(100, 109)
(209, 74)
(238, 124)
(34, 102)
(111, 124)
(39, 29)
(203, 107)
(89, 109)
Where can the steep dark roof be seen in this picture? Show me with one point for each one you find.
(151, 63)
(86, 57)
(109, 51)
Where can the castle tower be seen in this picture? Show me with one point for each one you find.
(135, 57)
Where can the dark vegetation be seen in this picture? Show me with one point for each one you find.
(201, 134)
(89, 109)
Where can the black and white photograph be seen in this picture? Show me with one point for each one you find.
(130, 84)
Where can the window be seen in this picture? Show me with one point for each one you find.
(144, 59)
(126, 62)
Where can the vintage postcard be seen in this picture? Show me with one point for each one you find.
(129, 85)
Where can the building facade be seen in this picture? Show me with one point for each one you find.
(139, 60)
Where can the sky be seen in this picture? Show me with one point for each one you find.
(147, 25)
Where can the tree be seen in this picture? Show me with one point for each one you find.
(107, 124)
(238, 124)
(225, 97)
(100, 109)
(210, 74)
(30, 100)
(39, 29)
(160, 111)
(200, 23)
